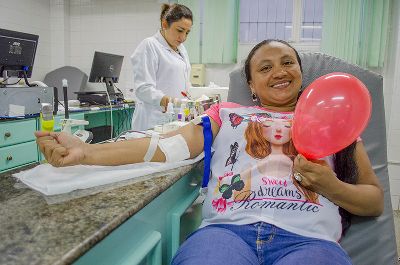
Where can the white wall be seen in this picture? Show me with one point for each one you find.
(113, 27)
(392, 99)
(60, 33)
(31, 17)
(71, 30)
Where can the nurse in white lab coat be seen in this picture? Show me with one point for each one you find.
(161, 67)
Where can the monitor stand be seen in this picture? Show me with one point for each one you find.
(9, 77)
(110, 89)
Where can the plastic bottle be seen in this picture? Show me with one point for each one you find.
(197, 107)
(46, 117)
(193, 112)
(181, 114)
(186, 111)
(170, 112)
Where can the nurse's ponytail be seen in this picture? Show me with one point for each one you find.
(175, 12)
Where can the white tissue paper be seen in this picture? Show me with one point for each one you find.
(50, 180)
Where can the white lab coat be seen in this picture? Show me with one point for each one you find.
(157, 71)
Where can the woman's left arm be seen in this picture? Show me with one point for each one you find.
(365, 198)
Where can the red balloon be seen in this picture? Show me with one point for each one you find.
(330, 114)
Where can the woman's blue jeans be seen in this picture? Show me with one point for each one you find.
(258, 243)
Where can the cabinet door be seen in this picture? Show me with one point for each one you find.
(145, 238)
(13, 132)
(133, 243)
(18, 155)
(121, 119)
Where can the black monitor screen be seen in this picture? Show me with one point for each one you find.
(105, 66)
(17, 52)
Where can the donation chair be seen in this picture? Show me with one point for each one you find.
(370, 240)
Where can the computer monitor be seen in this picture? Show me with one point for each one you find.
(106, 68)
(17, 53)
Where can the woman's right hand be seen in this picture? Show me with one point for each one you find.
(60, 149)
(165, 100)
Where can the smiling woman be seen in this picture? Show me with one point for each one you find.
(276, 77)
(255, 210)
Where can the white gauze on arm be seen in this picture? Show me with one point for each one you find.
(175, 148)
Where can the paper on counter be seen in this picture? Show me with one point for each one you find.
(50, 180)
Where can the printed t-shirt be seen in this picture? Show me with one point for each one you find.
(252, 180)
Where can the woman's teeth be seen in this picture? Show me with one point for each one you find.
(281, 85)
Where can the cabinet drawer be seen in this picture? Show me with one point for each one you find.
(13, 132)
(17, 155)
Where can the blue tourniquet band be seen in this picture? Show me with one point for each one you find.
(207, 133)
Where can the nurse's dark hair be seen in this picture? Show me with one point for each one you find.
(174, 12)
(344, 161)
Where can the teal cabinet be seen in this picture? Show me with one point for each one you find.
(151, 236)
(133, 243)
(18, 131)
(121, 119)
(17, 140)
(18, 155)
(17, 143)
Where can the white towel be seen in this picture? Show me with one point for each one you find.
(50, 180)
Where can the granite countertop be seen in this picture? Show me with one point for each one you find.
(35, 232)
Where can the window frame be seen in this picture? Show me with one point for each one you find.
(312, 46)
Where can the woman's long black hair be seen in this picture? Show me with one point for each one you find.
(344, 160)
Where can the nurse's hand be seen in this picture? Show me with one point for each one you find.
(165, 100)
(60, 149)
(164, 103)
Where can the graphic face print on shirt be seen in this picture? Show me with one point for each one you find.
(277, 131)
(279, 152)
(268, 142)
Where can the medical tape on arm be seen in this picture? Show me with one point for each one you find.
(152, 147)
(175, 148)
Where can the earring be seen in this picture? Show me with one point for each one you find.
(254, 96)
